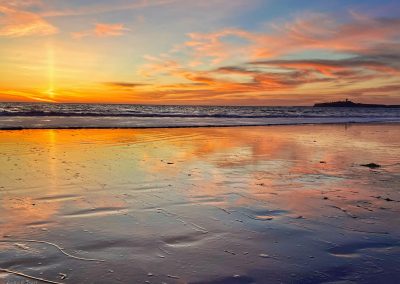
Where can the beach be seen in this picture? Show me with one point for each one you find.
(265, 204)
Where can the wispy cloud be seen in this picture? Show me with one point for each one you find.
(385, 64)
(15, 22)
(20, 4)
(103, 30)
(314, 31)
(271, 76)
(23, 95)
(124, 85)
(368, 48)
(110, 29)
(213, 46)
(112, 6)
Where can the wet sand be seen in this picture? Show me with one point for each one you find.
(277, 204)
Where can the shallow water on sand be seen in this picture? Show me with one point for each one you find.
(271, 204)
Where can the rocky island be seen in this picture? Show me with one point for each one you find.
(348, 103)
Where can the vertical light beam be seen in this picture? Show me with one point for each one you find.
(50, 70)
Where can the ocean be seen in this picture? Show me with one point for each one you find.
(48, 115)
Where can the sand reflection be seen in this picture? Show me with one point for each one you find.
(169, 193)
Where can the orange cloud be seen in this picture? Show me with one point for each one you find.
(102, 30)
(274, 80)
(17, 4)
(361, 64)
(109, 29)
(212, 45)
(312, 32)
(22, 95)
(320, 31)
(156, 66)
(258, 74)
(17, 23)
(124, 85)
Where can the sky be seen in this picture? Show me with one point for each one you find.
(210, 52)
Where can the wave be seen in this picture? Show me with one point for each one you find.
(176, 115)
(57, 122)
(30, 115)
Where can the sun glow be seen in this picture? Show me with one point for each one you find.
(50, 71)
(90, 52)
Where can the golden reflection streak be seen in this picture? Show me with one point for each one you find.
(23, 210)
(53, 170)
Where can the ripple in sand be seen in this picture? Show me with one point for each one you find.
(96, 212)
(145, 187)
(353, 249)
(40, 223)
(192, 239)
(261, 214)
(58, 197)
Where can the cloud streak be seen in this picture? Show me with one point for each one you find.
(102, 30)
(360, 35)
(105, 8)
(124, 85)
(15, 22)
(369, 61)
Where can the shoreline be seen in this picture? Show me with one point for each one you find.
(16, 128)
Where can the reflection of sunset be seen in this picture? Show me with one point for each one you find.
(145, 197)
(210, 162)
(22, 211)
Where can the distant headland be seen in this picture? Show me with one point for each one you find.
(348, 103)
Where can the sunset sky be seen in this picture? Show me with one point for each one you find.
(217, 52)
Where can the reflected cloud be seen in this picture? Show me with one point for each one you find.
(101, 180)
